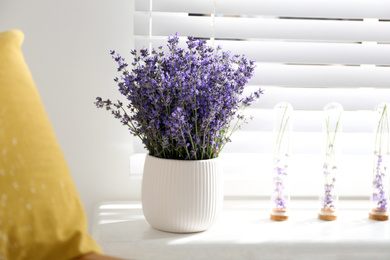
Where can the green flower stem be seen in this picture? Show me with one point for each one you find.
(283, 125)
(235, 128)
(132, 127)
(383, 122)
(330, 153)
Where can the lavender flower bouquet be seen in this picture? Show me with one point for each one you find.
(185, 104)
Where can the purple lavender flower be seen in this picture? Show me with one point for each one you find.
(279, 193)
(328, 200)
(379, 194)
(181, 104)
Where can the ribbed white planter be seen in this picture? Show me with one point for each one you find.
(181, 196)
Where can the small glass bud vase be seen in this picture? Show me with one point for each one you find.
(280, 198)
(332, 131)
(380, 183)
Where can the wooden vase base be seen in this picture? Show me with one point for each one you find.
(378, 217)
(279, 218)
(327, 217)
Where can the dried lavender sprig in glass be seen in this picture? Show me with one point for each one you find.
(329, 197)
(380, 194)
(280, 196)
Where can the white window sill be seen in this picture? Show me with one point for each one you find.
(244, 231)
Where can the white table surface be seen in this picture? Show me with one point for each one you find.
(244, 231)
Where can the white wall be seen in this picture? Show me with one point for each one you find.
(66, 46)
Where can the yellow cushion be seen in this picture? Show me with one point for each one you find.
(41, 216)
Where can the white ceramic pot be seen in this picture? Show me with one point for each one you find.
(181, 196)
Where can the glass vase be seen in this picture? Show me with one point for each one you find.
(380, 183)
(332, 130)
(280, 198)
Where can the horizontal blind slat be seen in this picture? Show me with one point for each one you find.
(167, 25)
(315, 30)
(142, 5)
(321, 76)
(185, 25)
(309, 121)
(198, 6)
(307, 8)
(320, 8)
(141, 24)
(250, 28)
(296, 52)
(352, 99)
(311, 52)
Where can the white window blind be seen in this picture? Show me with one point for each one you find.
(308, 53)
